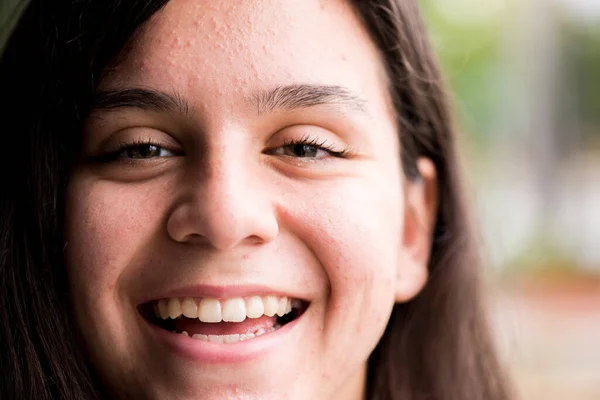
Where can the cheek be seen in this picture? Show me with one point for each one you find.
(355, 232)
(106, 225)
(360, 245)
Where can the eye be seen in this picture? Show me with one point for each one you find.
(302, 151)
(136, 151)
(144, 151)
(308, 148)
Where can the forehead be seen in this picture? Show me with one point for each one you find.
(227, 49)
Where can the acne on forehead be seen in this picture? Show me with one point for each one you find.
(192, 30)
(267, 37)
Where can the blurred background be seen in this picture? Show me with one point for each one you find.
(525, 76)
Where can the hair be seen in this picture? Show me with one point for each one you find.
(436, 346)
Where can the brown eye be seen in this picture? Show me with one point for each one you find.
(309, 149)
(301, 150)
(144, 152)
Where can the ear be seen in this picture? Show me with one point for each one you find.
(420, 212)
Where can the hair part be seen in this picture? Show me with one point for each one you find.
(436, 346)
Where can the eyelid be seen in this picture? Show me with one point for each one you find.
(319, 144)
(314, 136)
(151, 131)
(106, 138)
(313, 132)
(141, 141)
(112, 150)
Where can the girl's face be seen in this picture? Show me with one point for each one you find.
(243, 153)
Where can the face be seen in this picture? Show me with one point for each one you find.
(237, 225)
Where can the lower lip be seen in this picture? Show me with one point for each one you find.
(204, 352)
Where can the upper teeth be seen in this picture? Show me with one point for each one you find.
(230, 310)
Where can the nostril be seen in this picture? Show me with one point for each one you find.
(194, 238)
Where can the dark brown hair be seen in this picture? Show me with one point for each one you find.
(436, 346)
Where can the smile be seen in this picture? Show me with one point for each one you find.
(223, 321)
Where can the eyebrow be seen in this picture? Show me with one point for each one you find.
(296, 96)
(144, 99)
(286, 98)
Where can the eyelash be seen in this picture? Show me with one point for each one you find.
(114, 155)
(119, 148)
(319, 145)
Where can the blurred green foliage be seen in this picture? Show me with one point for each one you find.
(582, 51)
(475, 54)
(470, 55)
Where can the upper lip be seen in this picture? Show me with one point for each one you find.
(222, 292)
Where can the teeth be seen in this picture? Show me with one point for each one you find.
(271, 305)
(228, 339)
(231, 338)
(201, 337)
(163, 310)
(283, 306)
(189, 308)
(215, 339)
(296, 303)
(209, 310)
(236, 309)
(255, 307)
(174, 307)
(288, 307)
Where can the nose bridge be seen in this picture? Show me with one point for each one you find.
(225, 192)
(225, 205)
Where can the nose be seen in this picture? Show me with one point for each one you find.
(225, 208)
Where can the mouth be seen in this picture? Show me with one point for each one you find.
(223, 321)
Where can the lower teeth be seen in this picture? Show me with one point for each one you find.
(231, 338)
